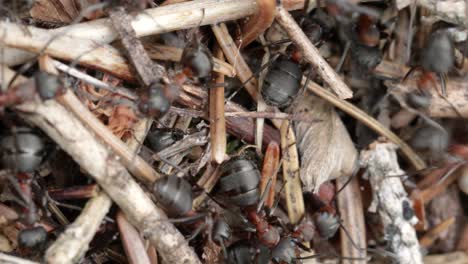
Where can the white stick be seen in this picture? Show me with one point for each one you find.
(73, 243)
(389, 198)
(152, 21)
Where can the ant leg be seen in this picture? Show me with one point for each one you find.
(343, 56)
(186, 218)
(410, 72)
(223, 247)
(263, 196)
(443, 81)
(196, 232)
(276, 203)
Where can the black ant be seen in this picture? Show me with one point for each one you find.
(22, 151)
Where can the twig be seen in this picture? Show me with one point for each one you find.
(311, 54)
(148, 72)
(158, 20)
(234, 57)
(4, 258)
(93, 81)
(217, 120)
(388, 198)
(370, 122)
(269, 172)
(73, 243)
(101, 164)
(75, 192)
(85, 52)
(132, 242)
(351, 212)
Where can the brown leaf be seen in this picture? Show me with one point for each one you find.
(326, 149)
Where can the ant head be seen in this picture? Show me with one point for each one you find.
(32, 238)
(367, 32)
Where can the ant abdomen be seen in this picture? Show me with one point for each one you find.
(438, 54)
(282, 83)
(32, 238)
(239, 180)
(197, 61)
(284, 252)
(22, 150)
(326, 224)
(174, 194)
(48, 86)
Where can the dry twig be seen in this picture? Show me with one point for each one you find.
(217, 120)
(132, 242)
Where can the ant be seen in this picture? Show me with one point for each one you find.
(22, 151)
(239, 182)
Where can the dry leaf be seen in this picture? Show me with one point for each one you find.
(326, 149)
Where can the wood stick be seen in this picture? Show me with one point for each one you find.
(312, 55)
(234, 57)
(156, 21)
(388, 198)
(352, 213)
(147, 72)
(270, 172)
(5, 258)
(73, 243)
(132, 242)
(217, 120)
